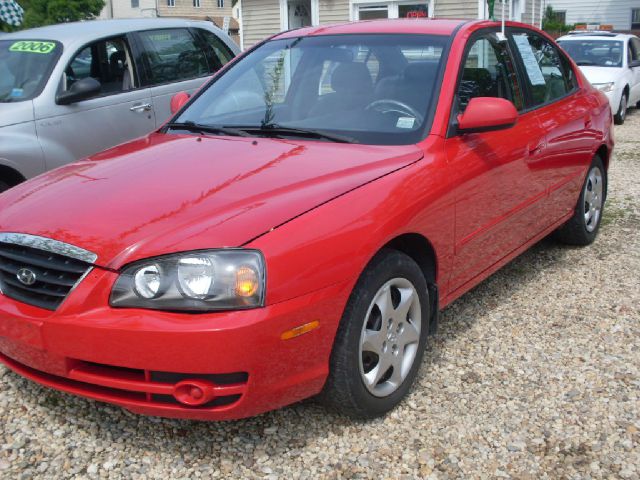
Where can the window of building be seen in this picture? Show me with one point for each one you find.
(135, 3)
(220, 3)
(171, 3)
(560, 17)
(635, 18)
(196, 3)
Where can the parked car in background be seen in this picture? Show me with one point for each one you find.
(68, 91)
(296, 227)
(611, 62)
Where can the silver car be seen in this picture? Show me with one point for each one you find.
(68, 91)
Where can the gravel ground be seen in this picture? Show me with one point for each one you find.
(534, 374)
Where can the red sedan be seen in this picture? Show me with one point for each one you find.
(298, 224)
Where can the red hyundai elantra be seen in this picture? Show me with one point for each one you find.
(297, 225)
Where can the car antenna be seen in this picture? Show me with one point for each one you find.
(501, 35)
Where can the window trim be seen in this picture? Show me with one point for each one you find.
(520, 65)
(129, 44)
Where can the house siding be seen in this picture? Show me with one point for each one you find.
(608, 12)
(185, 8)
(455, 9)
(333, 11)
(260, 19)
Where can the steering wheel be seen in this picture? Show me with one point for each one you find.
(387, 105)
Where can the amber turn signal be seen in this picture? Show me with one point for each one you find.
(247, 282)
(301, 330)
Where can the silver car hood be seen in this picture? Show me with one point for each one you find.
(18, 112)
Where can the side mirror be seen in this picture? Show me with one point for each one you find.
(485, 114)
(83, 89)
(179, 100)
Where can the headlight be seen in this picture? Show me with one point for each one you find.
(605, 87)
(204, 280)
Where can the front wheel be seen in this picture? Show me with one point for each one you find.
(381, 338)
(583, 227)
(621, 114)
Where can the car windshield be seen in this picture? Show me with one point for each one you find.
(371, 89)
(598, 53)
(25, 66)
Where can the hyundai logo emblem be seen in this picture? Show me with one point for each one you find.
(26, 276)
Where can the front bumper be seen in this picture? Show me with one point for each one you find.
(140, 359)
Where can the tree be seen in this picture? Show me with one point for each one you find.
(48, 12)
(554, 22)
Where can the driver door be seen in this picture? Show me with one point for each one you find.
(120, 112)
(497, 198)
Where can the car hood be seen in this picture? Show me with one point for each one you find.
(601, 74)
(169, 193)
(13, 113)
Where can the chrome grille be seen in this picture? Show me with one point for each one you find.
(40, 271)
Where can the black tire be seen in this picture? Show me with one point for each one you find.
(577, 231)
(621, 114)
(4, 186)
(345, 389)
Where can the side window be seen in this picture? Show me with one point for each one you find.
(634, 45)
(549, 74)
(107, 61)
(171, 55)
(489, 71)
(215, 50)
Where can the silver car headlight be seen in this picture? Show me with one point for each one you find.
(605, 87)
(203, 280)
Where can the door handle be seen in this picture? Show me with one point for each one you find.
(145, 107)
(535, 149)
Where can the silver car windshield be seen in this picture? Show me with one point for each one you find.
(371, 89)
(25, 66)
(597, 53)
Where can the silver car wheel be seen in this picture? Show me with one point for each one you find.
(390, 337)
(593, 192)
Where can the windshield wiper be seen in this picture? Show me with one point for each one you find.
(274, 129)
(202, 128)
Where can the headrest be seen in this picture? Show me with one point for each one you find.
(351, 77)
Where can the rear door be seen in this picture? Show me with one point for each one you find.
(564, 112)
(497, 200)
(634, 65)
(121, 111)
(177, 60)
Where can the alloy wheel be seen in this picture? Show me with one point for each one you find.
(390, 337)
(593, 193)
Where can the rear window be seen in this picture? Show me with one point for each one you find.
(25, 66)
(598, 53)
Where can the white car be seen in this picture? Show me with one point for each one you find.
(611, 62)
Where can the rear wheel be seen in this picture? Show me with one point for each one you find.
(381, 338)
(583, 227)
(621, 114)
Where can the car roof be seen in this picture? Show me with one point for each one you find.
(82, 32)
(411, 25)
(595, 36)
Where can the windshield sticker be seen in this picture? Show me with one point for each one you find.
(31, 46)
(529, 60)
(405, 122)
(16, 93)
